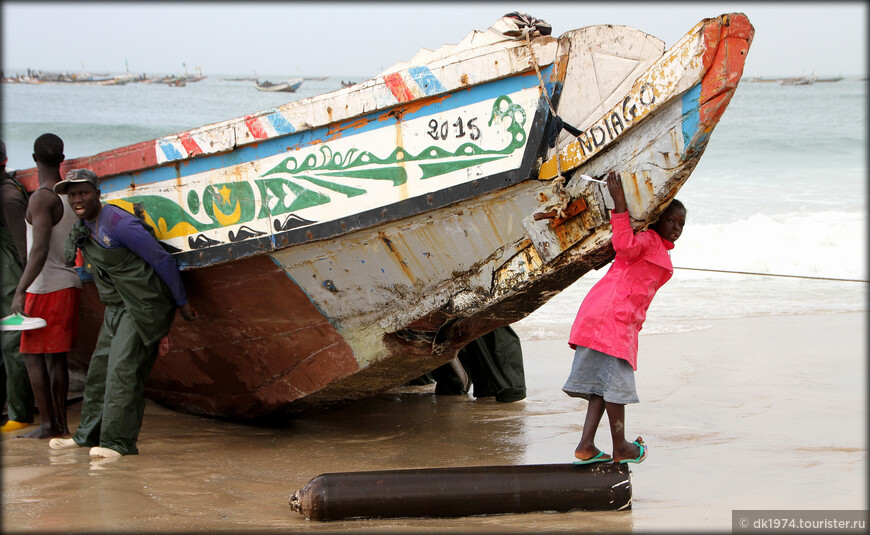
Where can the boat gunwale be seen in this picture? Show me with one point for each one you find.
(370, 93)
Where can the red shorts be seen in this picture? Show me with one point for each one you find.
(60, 310)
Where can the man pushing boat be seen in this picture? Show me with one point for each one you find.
(140, 285)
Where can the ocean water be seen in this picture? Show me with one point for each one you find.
(780, 189)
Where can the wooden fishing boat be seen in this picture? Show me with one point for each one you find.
(343, 244)
(289, 86)
(800, 80)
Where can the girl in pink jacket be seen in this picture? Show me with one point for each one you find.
(604, 334)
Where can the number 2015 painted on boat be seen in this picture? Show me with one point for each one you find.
(441, 133)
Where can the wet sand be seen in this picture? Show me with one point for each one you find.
(754, 413)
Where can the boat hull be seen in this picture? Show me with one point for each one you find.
(342, 245)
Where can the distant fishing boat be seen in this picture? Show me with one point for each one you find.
(72, 79)
(800, 80)
(343, 244)
(289, 86)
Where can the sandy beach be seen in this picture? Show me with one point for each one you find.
(752, 413)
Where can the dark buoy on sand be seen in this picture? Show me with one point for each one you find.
(465, 491)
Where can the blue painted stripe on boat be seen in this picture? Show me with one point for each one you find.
(169, 151)
(241, 155)
(488, 91)
(282, 125)
(691, 100)
(278, 145)
(424, 78)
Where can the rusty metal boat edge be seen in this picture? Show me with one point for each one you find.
(344, 244)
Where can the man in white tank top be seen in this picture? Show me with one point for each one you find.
(48, 290)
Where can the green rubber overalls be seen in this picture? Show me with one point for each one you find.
(139, 312)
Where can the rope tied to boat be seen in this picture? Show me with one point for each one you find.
(528, 42)
(558, 124)
(557, 188)
(835, 279)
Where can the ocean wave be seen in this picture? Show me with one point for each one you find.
(747, 257)
(828, 244)
(552, 332)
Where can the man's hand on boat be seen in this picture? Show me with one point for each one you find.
(187, 312)
(614, 186)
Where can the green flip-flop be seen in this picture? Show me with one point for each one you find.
(641, 456)
(600, 458)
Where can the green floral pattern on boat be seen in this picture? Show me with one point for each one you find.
(298, 182)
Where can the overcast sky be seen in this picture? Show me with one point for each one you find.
(362, 38)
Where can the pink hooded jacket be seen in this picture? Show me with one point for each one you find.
(613, 311)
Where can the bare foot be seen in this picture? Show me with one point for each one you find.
(586, 453)
(628, 450)
(43, 431)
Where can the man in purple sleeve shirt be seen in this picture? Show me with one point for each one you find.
(139, 283)
(115, 227)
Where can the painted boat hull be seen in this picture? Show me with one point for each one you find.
(341, 245)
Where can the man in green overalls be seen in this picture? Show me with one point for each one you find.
(13, 254)
(140, 285)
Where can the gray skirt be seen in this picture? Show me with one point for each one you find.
(594, 372)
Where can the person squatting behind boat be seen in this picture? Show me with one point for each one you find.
(605, 330)
(140, 286)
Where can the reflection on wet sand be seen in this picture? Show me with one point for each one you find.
(200, 474)
(715, 407)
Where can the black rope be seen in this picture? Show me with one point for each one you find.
(772, 274)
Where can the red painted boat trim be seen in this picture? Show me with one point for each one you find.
(189, 144)
(397, 85)
(255, 128)
(724, 63)
(113, 162)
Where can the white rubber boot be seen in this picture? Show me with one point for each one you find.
(104, 453)
(62, 444)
